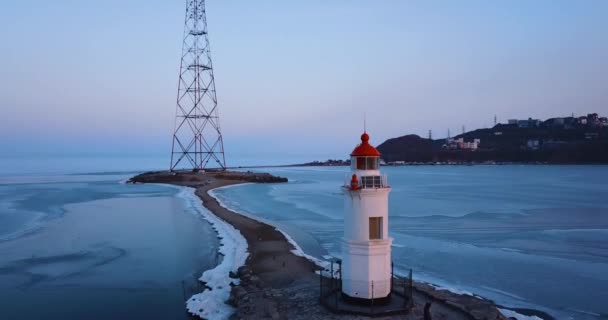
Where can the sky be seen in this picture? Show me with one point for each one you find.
(293, 77)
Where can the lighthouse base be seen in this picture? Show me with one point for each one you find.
(367, 302)
(395, 303)
(398, 301)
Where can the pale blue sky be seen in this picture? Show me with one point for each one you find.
(294, 76)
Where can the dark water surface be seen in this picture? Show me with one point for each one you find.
(88, 247)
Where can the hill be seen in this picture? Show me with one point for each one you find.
(565, 140)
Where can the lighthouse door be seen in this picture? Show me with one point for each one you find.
(375, 228)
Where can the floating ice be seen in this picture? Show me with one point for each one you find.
(510, 313)
(211, 303)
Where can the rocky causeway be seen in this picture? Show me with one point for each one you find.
(275, 283)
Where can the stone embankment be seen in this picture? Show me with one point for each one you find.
(192, 178)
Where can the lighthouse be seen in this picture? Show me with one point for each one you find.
(366, 245)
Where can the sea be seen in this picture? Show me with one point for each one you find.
(77, 242)
(524, 236)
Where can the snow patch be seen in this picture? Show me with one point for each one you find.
(510, 313)
(452, 289)
(211, 303)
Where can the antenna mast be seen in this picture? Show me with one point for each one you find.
(197, 138)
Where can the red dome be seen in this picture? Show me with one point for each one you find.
(365, 149)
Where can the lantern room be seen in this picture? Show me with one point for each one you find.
(365, 164)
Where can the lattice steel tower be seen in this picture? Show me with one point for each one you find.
(197, 137)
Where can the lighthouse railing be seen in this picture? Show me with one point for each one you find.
(345, 295)
(373, 182)
(367, 182)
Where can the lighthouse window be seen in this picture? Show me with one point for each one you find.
(361, 163)
(375, 228)
(371, 181)
(372, 163)
(367, 163)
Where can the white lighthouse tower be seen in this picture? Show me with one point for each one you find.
(366, 246)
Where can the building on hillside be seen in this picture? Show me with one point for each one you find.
(453, 144)
(593, 119)
(530, 123)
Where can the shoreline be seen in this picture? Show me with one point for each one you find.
(232, 247)
(417, 164)
(289, 257)
(276, 282)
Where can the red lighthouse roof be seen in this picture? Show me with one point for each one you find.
(365, 149)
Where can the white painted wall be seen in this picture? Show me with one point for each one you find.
(365, 262)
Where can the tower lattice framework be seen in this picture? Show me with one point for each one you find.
(197, 138)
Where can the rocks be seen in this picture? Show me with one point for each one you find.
(270, 308)
(238, 295)
(477, 308)
(243, 270)
(255, 281)
(250, 177)
(190, 178)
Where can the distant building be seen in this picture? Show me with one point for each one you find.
(530, 123)
(604, 121)
(461, 144)
(593, 119)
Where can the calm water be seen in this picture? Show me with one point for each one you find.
(525, 236)
(88, 247)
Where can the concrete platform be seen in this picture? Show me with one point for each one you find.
(397, 304)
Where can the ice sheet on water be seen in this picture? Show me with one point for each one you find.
(211, 303)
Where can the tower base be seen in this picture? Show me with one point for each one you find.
(395, 303)
(367, 302)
